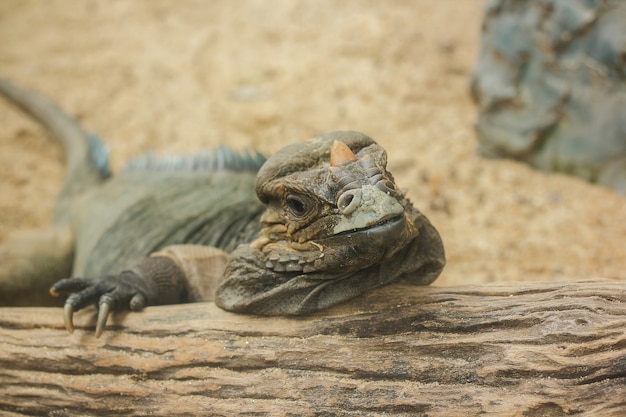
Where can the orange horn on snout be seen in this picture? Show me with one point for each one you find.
(340, 154)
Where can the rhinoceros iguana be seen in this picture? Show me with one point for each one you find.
(321, 222)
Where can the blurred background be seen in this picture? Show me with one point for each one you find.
(178, 76)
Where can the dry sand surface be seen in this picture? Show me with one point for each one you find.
(178, 76)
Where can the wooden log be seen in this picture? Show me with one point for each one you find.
(526, 350)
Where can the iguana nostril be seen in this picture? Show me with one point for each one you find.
(349, 201)
(345, 202)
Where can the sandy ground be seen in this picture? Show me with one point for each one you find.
(177, 76)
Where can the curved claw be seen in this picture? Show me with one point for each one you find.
(103, 315)
(68, 315)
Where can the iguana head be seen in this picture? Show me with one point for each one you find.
(335, 226)
(332, 206)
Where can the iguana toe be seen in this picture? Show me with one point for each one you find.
(103, 314)
(68, 285)
(138, 302)
(68, 316)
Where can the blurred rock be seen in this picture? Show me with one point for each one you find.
(551, 89)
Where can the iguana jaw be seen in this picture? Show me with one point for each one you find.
(358, 248)
(383, 224)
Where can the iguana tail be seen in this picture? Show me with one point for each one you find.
(86, 157)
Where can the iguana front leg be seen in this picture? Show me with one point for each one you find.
(178, 274)
(151, 281)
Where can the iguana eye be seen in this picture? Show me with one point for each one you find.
(297, 205)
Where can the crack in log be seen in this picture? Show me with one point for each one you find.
(576, 352)
(549, 409)
(70, 366)
(137, 351)
(616, 371)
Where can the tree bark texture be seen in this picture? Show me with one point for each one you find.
(525, 350)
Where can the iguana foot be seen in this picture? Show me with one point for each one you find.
(151, 281)
(110, 292)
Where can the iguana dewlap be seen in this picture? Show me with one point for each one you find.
(332, 225)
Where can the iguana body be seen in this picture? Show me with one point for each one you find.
(330, 225)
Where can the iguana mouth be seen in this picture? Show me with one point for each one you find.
(389, 223)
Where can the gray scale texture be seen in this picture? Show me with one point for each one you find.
(550, 86)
